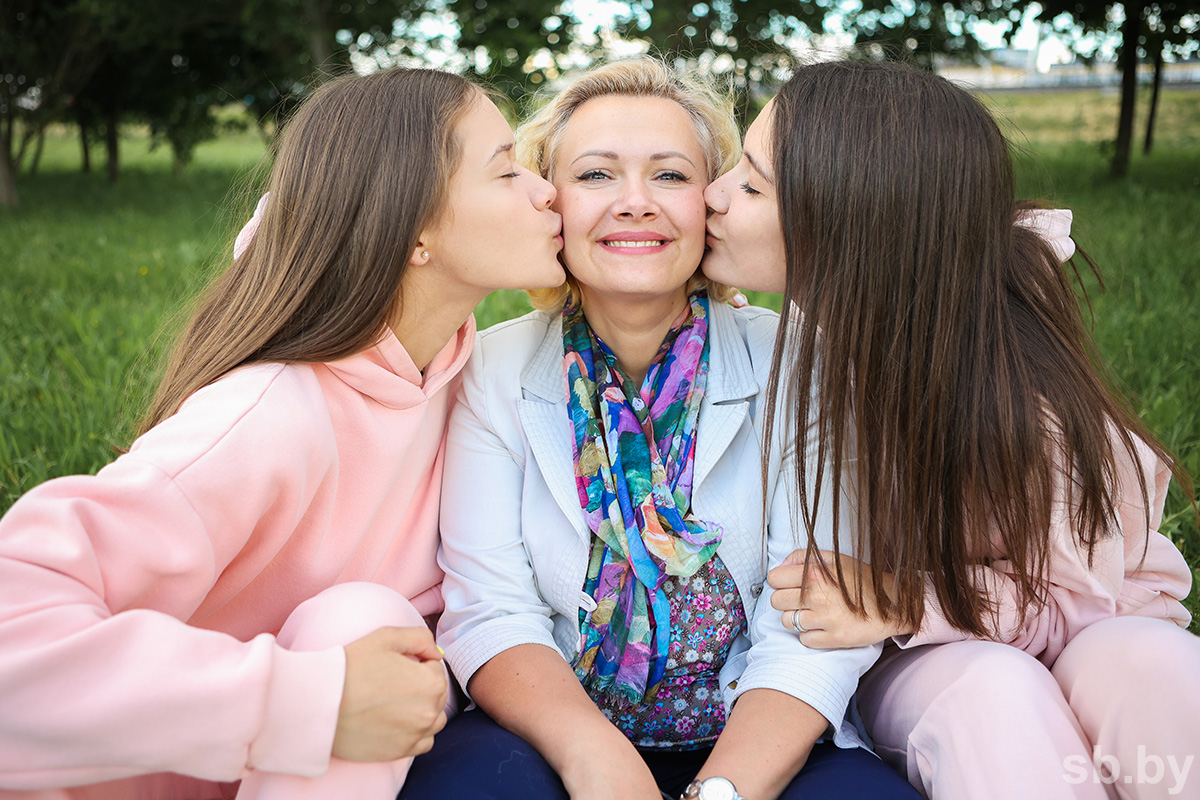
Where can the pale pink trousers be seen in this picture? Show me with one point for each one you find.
(1117, 716)
(336, 616)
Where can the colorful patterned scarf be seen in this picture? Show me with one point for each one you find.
(633, 467)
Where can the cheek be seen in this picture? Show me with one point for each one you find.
(689, 217)
(755, 230)
(692, 212)
(574, 210)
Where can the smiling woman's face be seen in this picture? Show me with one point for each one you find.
(630, 174)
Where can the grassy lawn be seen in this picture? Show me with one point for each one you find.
(91, 275)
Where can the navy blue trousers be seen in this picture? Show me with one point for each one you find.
(473, 757)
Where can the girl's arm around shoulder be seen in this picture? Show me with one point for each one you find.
(98, 574)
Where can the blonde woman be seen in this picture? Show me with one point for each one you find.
(602, 523)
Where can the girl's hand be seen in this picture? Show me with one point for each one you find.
(394, 697)
(817, 605)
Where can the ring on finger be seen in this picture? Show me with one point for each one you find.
(796, 621)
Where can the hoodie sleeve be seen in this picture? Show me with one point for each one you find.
(1118, 581)
(100, 675)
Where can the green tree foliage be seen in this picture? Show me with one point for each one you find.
(918, 30)
(288, 46)
(745, 42)
(170, 65)
(48, 51)
(751, 40)
(501, 38)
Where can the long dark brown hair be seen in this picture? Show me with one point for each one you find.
(362, 169)
(938, 347)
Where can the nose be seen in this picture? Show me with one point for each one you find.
(541, 191)
(635, 201)
(715, 195)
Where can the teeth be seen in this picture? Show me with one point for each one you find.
(651, 243)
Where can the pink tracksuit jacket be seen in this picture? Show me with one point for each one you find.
(138, 606)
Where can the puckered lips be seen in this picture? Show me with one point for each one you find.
(557, 234)
(634, 243)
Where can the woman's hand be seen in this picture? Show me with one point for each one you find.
(394, 697)
(603, 776)
(817, 605)
(530, 690)
(766, 741)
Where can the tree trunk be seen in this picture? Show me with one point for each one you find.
(83, 141)
(26, 137)
(1129, 43)
(111, 133)
(37, 152)
(319, 37)
(8, 171)
(1153, 115)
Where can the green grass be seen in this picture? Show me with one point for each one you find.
(91, 273)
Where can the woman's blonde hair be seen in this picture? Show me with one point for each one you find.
(711, 111)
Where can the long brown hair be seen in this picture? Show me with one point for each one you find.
(937, 346)
(362, 169)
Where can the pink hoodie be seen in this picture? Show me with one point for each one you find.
(137, 606)
(1135, 571)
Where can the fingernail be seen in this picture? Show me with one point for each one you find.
(440, 650)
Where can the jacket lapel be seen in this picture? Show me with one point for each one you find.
(731, 385)
(543, 412)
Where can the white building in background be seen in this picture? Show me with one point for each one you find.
(1052, 66)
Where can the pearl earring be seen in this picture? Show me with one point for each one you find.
(425, 254)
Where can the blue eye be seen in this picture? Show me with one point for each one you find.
(748, 190)
(672, 175)
(592, 175)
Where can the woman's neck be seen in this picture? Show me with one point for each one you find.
(428, 317)
(634, 330)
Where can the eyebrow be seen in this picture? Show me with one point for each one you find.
(758, 167)
(612, 156)
(504, 148)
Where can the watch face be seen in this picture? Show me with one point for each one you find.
(717, 789)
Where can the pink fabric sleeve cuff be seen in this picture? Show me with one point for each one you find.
(935, 629)
(301, 712)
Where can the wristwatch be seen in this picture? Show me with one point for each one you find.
(711, 789)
